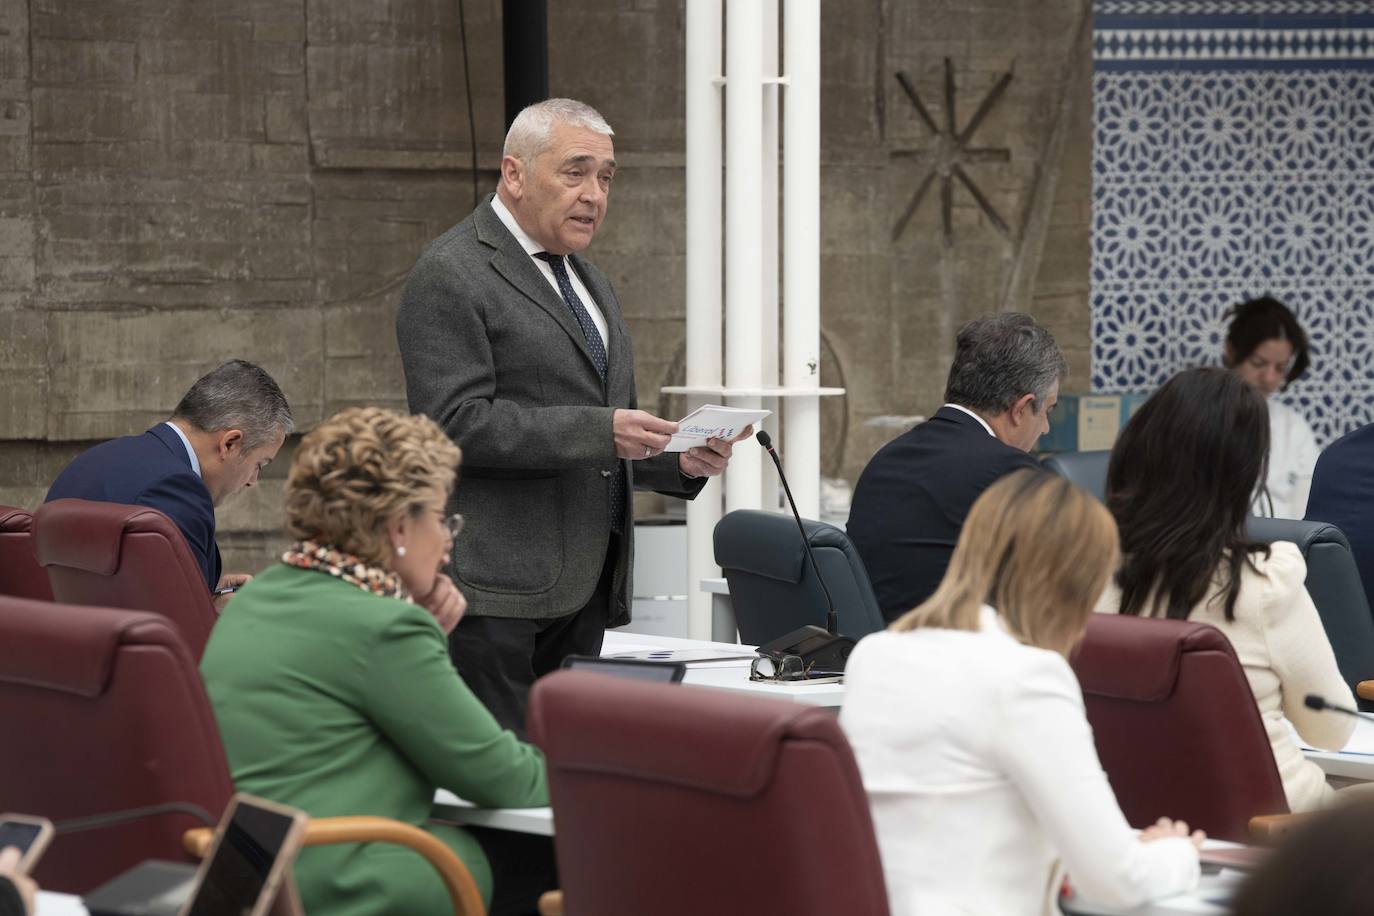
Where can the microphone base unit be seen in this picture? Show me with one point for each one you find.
(815, 646)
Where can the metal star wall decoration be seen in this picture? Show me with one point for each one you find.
(950, 153)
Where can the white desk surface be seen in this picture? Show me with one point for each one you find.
(449, 807)
(715, 586)
(1211, 895)
(726, 675)
(50, 904)
(1356, 761)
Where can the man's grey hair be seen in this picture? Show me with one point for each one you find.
(530, 131)
(1000, 358)
(237, 395)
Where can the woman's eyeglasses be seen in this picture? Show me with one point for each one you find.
(453, 524)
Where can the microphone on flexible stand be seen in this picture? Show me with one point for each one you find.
(817, 648)
(1312, 701)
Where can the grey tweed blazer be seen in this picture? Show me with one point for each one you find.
(493, 354)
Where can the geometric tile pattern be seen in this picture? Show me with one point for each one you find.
(1234, 44)
(1214, 184)
(1231, 7)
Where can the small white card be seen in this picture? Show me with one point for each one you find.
(712, 422)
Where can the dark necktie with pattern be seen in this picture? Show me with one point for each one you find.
(597, 347)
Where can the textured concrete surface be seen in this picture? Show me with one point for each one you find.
(183, 181)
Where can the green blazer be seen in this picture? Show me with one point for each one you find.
(341, 702)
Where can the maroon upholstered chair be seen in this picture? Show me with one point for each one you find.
(103, 710)
(1176, 725)
(20, 574)
(680, 800)
(133, 557)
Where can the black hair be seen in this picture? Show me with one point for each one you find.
(1179, 483)
(1266, 318)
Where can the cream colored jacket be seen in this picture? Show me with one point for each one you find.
(1282, 645)
(982, 777)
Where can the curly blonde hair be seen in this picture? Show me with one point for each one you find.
(361, 468)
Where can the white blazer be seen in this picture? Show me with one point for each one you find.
(982, 776)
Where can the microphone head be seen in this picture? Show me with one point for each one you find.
(1312, 701)
(764, 439)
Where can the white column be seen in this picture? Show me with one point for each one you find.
(703, 179)
(743, 231)
(802, 249)
(768, 238)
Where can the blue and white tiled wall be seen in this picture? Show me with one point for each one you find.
(1234, 156)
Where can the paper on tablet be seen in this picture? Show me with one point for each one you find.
(712, 422)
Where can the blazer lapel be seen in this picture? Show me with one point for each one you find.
(517, 267)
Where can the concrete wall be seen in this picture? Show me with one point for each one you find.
(182, 181)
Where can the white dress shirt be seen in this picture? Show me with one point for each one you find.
(982, 776)
(1293, 455)
(981, 421)
(532, 248)
(190, 452)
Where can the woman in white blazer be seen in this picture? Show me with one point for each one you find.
(1267, 347)
(969, 729)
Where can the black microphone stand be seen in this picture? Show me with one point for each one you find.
(819, 649)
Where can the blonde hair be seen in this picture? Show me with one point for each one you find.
(1036, 548)
(359, 469)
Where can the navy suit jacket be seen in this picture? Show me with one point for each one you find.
(911, 500)
(1343, 495)
(148, 470)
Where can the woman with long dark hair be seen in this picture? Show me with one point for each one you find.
(1180, 483)
(1267, 347)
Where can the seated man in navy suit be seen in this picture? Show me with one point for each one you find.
(1343, 495)
(911, 499)
(222, 434)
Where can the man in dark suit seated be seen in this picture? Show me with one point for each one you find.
(1343, 495)
(911, 499)
(226, 429)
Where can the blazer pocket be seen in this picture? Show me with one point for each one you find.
(515, 545)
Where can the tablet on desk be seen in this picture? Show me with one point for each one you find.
(630, 668)
(246, 872)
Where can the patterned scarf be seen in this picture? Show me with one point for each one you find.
(345, 566)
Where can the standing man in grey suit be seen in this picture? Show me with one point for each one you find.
(516, 345)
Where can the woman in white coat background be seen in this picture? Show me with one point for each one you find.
(970, 733)
(1267, 347)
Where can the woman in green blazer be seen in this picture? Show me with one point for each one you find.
(330, 675)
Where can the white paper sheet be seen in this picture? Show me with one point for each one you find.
(712, 422)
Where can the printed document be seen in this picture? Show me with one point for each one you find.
(712, 422)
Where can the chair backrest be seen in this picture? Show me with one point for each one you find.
(680, 800)
(133, 557)
(1086, 469)
(103, 710)
(772, 586)
(1333, 581)
(1176, 725)
(20, 574)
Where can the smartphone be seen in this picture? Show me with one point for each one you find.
(250, 860)
(30, 835)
